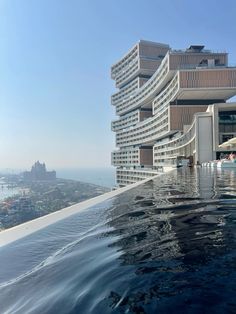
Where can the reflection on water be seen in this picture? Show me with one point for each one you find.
(167, 245)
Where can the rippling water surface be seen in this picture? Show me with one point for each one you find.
(167, 246)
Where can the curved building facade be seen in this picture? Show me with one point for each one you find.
(164, 96)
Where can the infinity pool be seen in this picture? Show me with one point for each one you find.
(166, 246)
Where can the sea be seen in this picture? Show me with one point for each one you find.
(6, 190)
(166, 246)
(99, 176)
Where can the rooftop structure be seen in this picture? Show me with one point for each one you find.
(163, 96)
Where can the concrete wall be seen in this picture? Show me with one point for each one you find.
(177, 61)
(146, 156)
(152, 50)
(150, 65)
(144, 115)
(208, 78)
(182, 115)
(204, 139)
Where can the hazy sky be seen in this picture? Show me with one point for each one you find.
(55, 58)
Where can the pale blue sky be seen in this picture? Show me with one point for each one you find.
(55, 58)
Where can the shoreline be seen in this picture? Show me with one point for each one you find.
(33, 199)
(12, 234)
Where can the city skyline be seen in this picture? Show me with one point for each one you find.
(56, 58)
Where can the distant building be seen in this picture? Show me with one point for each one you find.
(39, 173)
(23, 204)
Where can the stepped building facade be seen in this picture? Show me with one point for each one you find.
(171, 107)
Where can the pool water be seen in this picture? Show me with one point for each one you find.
(166, 246)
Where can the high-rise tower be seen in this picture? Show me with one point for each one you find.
(162, 93)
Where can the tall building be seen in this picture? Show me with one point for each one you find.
(39, 173)
(171, 106)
